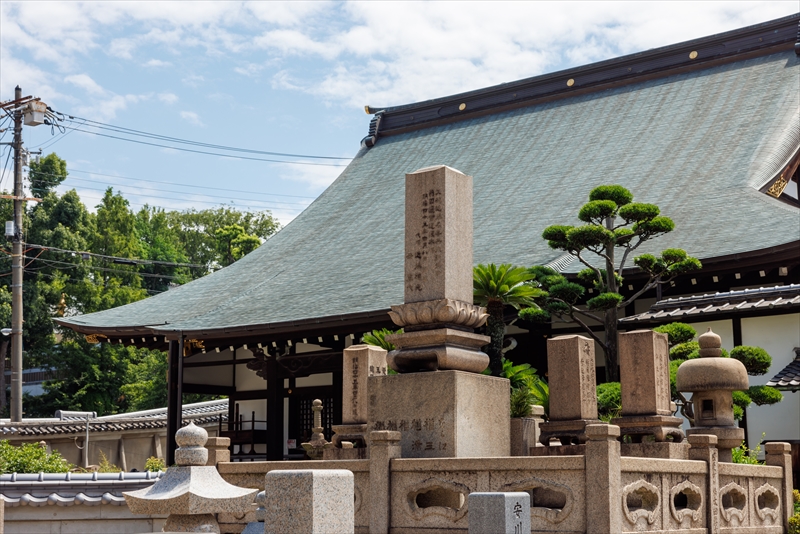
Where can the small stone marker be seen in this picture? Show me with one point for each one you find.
(499, 513)
(309, 501)
(358, 363)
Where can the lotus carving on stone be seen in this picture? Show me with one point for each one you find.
(442, 311)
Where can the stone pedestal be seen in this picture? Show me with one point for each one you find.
(573, 393)
(440, 349)
(727, 438)
(645, 391)
(445, 414)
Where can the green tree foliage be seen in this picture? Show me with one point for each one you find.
(197, 230)
(614, 227)
(495, 287)
(46, 174)
(609, 400)
(108, 378)
(30, 458)
(378, 338)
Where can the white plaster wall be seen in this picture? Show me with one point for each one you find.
(221, 375)
(321, 379)
(778, 335)
(247, 380)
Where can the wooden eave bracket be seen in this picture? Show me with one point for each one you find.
(775, 187)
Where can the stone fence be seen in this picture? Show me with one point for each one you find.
(597, 492)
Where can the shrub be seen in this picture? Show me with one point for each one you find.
(521, 400)
(105, 466)
(744, 455)
(30, 458)
(677, 333)
(762, 395)
(609, 400)
(683, 350)
(154, 464)
(755, 359)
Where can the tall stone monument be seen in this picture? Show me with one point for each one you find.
(439, 403)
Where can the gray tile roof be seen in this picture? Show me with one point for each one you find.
(699, 144)
(203, 414)
(746, 301)
(789, 377)
(70, 489)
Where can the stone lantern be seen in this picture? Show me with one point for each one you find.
(712, 379)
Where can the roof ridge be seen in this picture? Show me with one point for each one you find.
(593, 76)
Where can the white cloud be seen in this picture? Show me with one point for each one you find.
(193, 80)
(191, 117)
(315, 177)
(85, 82)
(168, 98)
(157, 63)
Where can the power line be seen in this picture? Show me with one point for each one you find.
(105, 269)
(130, 131)
(208, 153)
(188, 185)
(107, 257)
(155, 189)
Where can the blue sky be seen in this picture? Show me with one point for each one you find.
(291, 78)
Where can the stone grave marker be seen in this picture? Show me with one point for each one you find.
(439, 402)
(647, 406)
(499, 513)
(359, 362)
(573, 389)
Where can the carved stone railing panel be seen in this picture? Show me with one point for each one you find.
(641, 500)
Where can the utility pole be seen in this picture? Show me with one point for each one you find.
(16, 270)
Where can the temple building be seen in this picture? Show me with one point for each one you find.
(708, 130)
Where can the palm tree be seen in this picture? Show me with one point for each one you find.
(494, 287)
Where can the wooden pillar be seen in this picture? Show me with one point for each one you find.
(174, 396)
(274, 410)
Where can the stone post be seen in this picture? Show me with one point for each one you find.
(384, 446)
(308, 501)
(499, 513)
(704, 447)
(603, 485)
(2, 514)
(780, 454)
(218, 450)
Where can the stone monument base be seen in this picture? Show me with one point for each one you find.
(667, 450)
(568, 432)
(658, 426)
(439, 349)
(443, 414)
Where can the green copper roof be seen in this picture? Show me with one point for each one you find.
(698, 144)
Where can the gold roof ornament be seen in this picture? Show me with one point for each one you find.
(94, 338)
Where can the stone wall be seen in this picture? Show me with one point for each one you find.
(597, 492)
